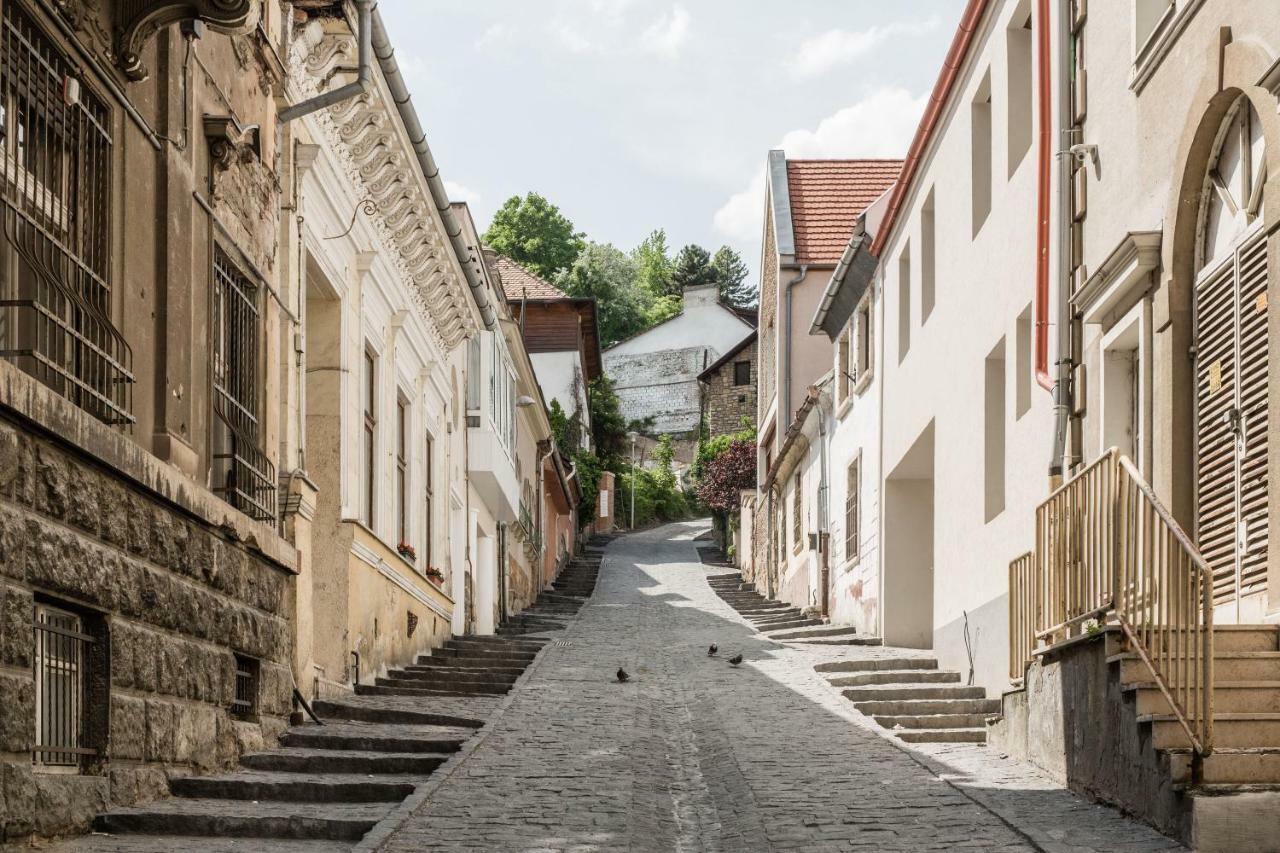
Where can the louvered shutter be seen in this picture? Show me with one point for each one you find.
(1252, 463)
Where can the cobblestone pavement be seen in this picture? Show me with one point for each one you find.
(695, 755)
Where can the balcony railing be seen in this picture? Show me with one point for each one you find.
(1108, 550)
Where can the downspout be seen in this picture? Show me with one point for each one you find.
(364, 75)
(878, 338)
(824, 516)
(468, 259)
(785, 409)
(1044, 188)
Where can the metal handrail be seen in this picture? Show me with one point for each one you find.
(1107, 547)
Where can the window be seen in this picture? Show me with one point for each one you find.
(980, 153)
(864, 353)
(904, 303)
(742, 373)
(1018, 79)
(402, 470)
(852, 496)
(927, 257)
(55, 202)
(429, 495)
(1022, 370)
(843, 367)
(1148, 15)
(241, 472)
(797, 506)
(993, 445)
(370, 376)
(473, 375)
(62, 666)
(245, 703)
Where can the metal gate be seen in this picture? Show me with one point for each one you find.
(1231, 420)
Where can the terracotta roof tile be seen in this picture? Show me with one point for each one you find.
(519, 283)
(827, 197)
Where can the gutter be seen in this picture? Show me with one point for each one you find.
(467, 257)
(837, 277)
(364, 77)
(1063, 391)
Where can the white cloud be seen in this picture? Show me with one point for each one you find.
(666, 35)
(819, 54)
(880, 125)
(495, 36)
(458, 192)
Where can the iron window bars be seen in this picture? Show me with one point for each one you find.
(55, 179)
(245, 703)
(61, 666)
(242, 474)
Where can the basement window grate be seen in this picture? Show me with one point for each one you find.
(245, 703)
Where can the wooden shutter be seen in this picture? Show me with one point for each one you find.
(851, 503)
(1252, 273)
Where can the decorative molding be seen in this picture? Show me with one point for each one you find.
(1120, 280)
(368, 555)
(140, 20)
(381, 164)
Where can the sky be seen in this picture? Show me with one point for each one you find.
(632, 115)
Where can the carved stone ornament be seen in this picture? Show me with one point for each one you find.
(140, 20)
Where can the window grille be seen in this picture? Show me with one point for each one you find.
(797, 526)
(61, 664)
(245, 703)
(242, 474)
(55, 198)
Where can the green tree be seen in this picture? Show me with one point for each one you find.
(661, 310)
(692, 268)
(608, 427)
(654, 266)
(609, 275)
(533, 232)
(731, 277)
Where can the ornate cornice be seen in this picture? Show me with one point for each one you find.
(383, 169)
(139, 20)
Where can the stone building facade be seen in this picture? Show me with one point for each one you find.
(729, 389)
(146, 625)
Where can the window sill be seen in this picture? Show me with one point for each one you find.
(844, 408)
(864, 382)
(1157, 46)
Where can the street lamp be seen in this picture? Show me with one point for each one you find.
(633, 436)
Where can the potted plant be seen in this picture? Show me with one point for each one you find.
(435, 575)
(407, 551)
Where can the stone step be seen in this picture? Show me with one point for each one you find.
(296, 787)
(933, 721)
(230, 818)
(137, 843)
(1230, 696)
(870, 664)
(1229, 730)
(495, 644)
(942, 735)
(429, 676)
(430, 682)
(890, 692)
(425, 692)
(788, 623)
(1229, 766)
(824, 630)
(477, 660)
(918, 707)
(372, 737)
(301, 760)
(1227, 666)
(449, 665)
(895, 676)
(844, 640)
(345, 710)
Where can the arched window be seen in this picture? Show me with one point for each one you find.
(1232, 197)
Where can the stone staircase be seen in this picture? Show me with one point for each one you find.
(914, 699)
(563, 600)
(778, 620)
(327, 785)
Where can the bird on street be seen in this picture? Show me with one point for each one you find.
(623, 678)
(736, 659)
(711, 652)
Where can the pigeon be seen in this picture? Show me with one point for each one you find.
(711, 652)
(623, 678)
(736, 659)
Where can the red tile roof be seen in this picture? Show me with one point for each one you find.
(827, 197)
(519, 283)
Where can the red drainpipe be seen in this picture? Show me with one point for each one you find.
(1044, 79)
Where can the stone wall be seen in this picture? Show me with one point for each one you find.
(662, 386)
(170, 590)
(726, 403)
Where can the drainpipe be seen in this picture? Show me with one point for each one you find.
(785, 409)
(824, 516)
(364, 79)
(1045, 156)
(467, 258)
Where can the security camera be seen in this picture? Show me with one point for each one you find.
(1084, 153)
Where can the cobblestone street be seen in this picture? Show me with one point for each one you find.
(694, 754)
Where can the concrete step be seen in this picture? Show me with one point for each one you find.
(347, 710)
(895, 676)
(430, 676)
(396, 690)
(872, 664)
(933, 721)
(789, 623)
(300, 760)
(230, 818)
(492, 643)
(1229, 730)
(1232, 819)
(468, 660)
(296, 787)
(844, 640)
(824, 630)
(1227, 666)
(431, 682)
(890, 692)
(139, 843)
(371, 737)
(942, 735)
(1228, 766)
(454, 665)
(1230, 696)
(918, 707)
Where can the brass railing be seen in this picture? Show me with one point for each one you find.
(1108, 550)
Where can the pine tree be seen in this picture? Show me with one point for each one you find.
(731, 276)
(693, 268)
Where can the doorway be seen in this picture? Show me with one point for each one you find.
(908, 567)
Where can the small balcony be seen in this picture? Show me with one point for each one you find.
(491, 469)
